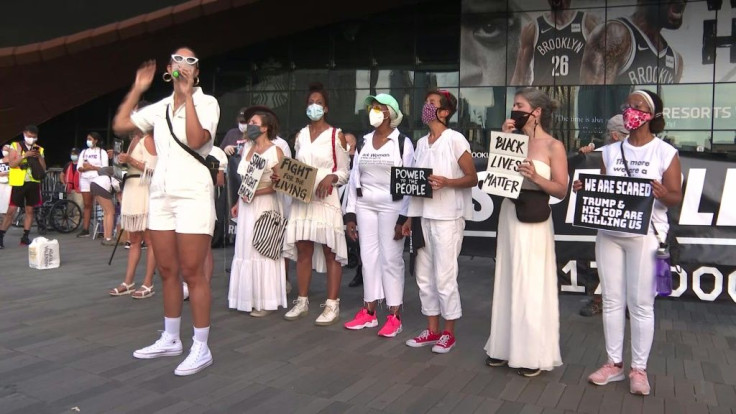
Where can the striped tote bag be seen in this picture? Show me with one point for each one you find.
(268, 234)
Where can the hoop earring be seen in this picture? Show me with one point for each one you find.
(196, 81)
(167, 77)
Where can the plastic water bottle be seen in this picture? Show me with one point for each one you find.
(663, 274)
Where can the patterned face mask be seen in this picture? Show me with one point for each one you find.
(429, 113)
(634, 118)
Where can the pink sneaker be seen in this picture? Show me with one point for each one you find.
(607, 373)
(444, 344)
(423, 339)
(638, 382)
(391, 328)
(362, 319)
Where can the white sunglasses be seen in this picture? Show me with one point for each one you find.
(189, 60)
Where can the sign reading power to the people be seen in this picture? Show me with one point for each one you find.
(506, 153)
(411, 181)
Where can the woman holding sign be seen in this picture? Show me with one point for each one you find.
(441, 219)
(525, 323)
(626, 262)
(379, 214)
(257, 282)
(181, 215)
(315, 235)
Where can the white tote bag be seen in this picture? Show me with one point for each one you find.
(44, 254)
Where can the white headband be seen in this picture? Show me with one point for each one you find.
(649, 100)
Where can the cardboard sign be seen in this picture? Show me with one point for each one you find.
(296, 179)
(411, 181)
(621, 204)
(252, 177)
(506, 153)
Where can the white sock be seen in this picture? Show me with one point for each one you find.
(201, 334)
(172, 325)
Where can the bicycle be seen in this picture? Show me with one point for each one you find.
(55, 212)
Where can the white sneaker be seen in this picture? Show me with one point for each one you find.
(199, 358)
(167, 345)
(185, 291)
(301, 308)
(331, 314)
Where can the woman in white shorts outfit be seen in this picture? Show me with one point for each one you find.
(181, 210)
(88, 164)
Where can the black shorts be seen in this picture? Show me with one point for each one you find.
(28, 194)
(98, 190)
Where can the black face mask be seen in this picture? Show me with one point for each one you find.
(520, 118)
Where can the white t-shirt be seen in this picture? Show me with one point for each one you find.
(648, 161)
(281, 143)
(443, 158)
(372, 174)
(95, 156)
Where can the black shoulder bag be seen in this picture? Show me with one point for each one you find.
(671, 244)
(211, 163)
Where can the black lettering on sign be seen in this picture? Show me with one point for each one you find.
(621, 204)
(411, 181)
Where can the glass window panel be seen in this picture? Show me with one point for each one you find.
(688, 140)
(311, 49)
(724, 110)
(688, 106)
(303, 77)
(438, 34)
(392, 39)
(481, 111)
(483, 40)
(725, 67)
(724, 137)
(352, 44)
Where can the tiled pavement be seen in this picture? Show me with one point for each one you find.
(65, 346)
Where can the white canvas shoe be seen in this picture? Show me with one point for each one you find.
(167, 345)
(331, 314)
(301, 308)
(199, 358)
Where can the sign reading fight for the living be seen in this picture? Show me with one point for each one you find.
(411, 181)
(251, 178)
(506, 153)
(622, 204)
(296, 179)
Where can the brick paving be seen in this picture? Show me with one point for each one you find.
(65, 346)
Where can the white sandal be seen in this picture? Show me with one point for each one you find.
(128, 290)
(145, 292)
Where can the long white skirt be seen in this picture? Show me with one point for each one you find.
(256, 282)
(5, 190)
(525, 315)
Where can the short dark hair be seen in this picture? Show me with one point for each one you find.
(657, 124)
(95, 135)
(448, 101)
(269, 121)
(318, 88)
(31, 128)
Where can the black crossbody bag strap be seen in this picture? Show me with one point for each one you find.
(181, 144)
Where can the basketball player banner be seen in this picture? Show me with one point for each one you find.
(704, 225)
(622, 204)
(251, 178)
(505, 154)
(296, 179)
(411, 181)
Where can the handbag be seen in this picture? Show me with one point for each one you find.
(532, 206)
(268, 234)
(210, 162)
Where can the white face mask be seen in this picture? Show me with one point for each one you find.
(5, 153)
(315, 112)
(242, 126)
(375, 118)
(75, 157)
(90, 143)
(29, 140)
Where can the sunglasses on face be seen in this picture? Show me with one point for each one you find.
(376, 108)
(189, 60)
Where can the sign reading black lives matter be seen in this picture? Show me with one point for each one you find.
(621, 204)
(252, 177)
(296, 179)
(411, 181)
(506, 153)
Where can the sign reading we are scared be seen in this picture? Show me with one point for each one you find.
(506, 153)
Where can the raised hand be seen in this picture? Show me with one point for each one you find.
(144, 76)
(185, 82)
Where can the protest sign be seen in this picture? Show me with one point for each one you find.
(252, 177)
(506, 153)
(621, 204)
(411, 181)
(296, 179)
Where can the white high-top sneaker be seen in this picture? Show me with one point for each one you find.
(301, 308)
(331, 314)
(198, 359)
(167, 345)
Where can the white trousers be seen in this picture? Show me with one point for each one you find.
(437, 268)
(381, 255)
(626, 269)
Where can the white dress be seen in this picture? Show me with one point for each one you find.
(4, 188)
(320, 220)
(256, 282)
(525, 321)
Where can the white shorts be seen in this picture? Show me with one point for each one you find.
(181, 214)
(84, 184)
